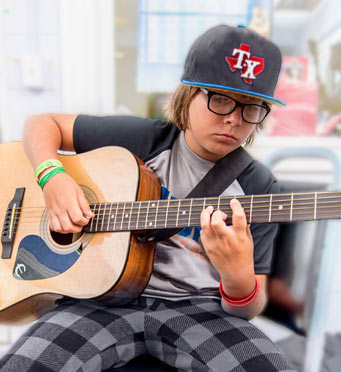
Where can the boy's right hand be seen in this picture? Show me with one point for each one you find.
(67, 208)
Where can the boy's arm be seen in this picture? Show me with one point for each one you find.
(230, 250)
(45, 134)
(67, 207)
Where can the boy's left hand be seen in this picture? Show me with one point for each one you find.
(229, 248)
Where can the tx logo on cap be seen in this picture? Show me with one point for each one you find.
(249, 66)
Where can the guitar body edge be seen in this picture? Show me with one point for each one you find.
(139, 264)
(29, 309)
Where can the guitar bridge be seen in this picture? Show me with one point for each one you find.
(11, 222)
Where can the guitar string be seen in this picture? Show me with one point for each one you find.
(223, 199)
(173, 215)
(163, 209)
(256, 206)
(129, 208)
(118, 215)
(195, 222)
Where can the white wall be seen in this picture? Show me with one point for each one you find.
(87, 56)
(56, 56)
(30, 60)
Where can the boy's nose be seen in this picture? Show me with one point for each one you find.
(234, 118)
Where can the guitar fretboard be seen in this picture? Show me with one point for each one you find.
(180, 213)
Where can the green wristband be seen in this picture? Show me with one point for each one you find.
(46, 164)
(49, 175)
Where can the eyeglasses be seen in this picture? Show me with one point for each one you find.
(224, 105)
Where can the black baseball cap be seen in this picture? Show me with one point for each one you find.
(234, 59)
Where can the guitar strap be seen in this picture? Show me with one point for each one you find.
(216, 180)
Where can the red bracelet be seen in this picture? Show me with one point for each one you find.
(244, 301)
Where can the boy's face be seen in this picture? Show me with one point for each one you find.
(212, 136)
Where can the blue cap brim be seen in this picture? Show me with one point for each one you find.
(246, 92)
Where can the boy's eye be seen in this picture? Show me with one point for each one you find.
(253, 108)
(219, 100)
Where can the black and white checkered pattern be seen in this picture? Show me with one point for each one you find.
(190, 335)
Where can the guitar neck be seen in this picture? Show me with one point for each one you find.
(180, 213)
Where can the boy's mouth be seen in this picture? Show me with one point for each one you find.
(227, 137)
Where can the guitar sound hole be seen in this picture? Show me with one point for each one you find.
(64, 239)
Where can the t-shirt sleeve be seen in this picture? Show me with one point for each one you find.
(143, 137)
(257, 179)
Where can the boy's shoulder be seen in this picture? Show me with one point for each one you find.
(142, 136)
(258, 179)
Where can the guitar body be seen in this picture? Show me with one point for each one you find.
(44, 267)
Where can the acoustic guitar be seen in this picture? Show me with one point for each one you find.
(107, 261)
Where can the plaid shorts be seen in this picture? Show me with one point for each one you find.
(190, 335)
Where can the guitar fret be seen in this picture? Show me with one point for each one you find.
(103, 215)
(321, 205)
(190, 213)
(167, 209)
(98, 216)
(251, 206)
(115, 219)
(109, 217)
(161, 213)
(156, 212)
(177, 213)
(123, 212)
(146, 221)
(138, 216)
(315, 205)
(218, 206)
(270, 205)
(130, 214)
(93, 219)
(291, 205)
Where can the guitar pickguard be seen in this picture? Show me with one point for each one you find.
(36, 261)
(40, 257)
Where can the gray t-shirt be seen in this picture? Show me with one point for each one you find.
(181, 267)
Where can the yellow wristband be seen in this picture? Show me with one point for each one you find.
(46, 164)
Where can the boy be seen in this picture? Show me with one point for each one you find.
(207, 281)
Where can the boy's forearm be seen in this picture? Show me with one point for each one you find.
(257, 304)
(249, 311)
(41, 139)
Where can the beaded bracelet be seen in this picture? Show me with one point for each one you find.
(46, 164)
(241, 302)
(50, 174)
